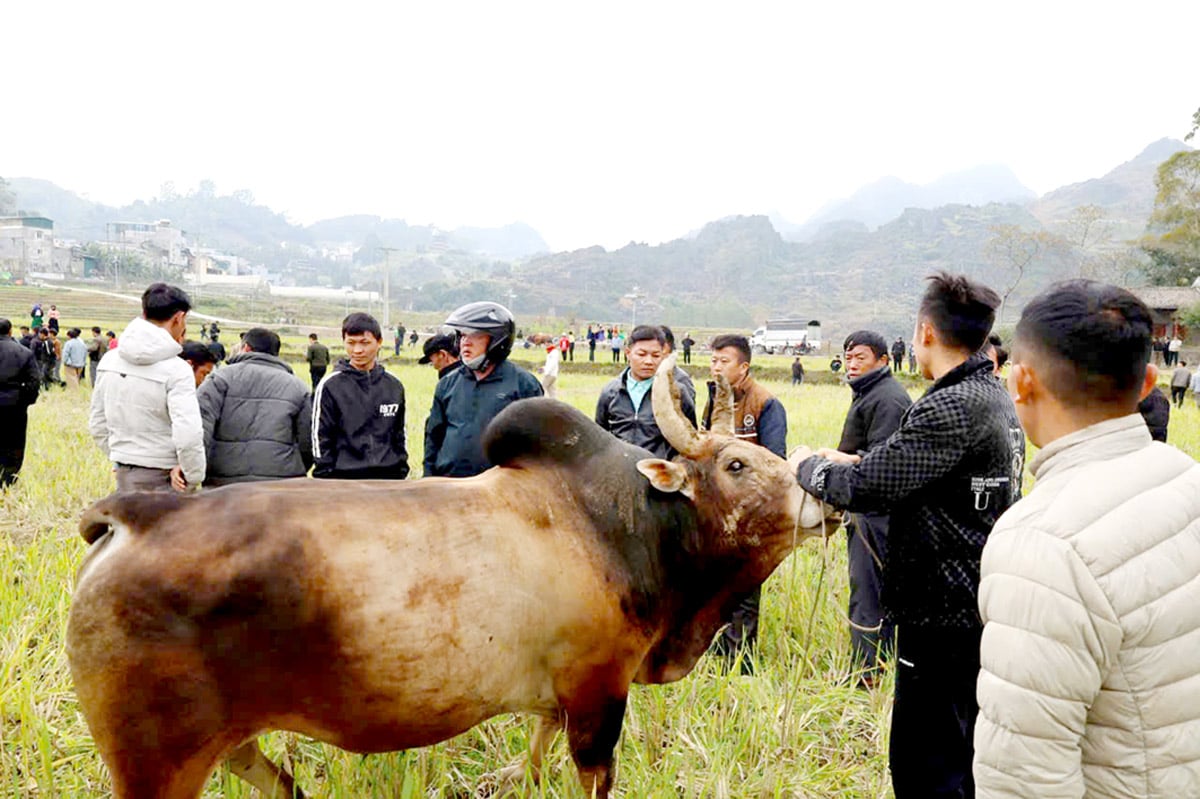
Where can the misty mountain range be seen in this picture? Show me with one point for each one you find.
(861, 258)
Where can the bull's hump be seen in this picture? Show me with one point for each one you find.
(546, 431)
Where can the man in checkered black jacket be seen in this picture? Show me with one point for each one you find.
(945, 476)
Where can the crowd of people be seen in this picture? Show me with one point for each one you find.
(1042, 645)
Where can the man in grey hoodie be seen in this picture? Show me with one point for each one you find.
(257, 416)
(144, 413)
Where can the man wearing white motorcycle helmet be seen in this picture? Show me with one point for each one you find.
(469, 397)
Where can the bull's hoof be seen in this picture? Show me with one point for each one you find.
(503, 783)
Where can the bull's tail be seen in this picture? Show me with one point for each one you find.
(136, 511)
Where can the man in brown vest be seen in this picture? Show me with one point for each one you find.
(758, 418)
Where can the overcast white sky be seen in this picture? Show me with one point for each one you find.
(595, 123)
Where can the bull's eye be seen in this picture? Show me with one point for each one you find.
(734, 466)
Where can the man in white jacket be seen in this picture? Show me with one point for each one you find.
(1090, 592)
(145, 416)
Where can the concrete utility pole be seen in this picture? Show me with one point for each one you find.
(387, 275)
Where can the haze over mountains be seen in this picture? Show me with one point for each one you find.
(856, 261)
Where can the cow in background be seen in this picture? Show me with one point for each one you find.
(548, 584)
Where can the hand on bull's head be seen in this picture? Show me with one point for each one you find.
(746, 489)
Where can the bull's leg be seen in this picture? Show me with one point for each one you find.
(592, 731)
(510, 779)
(249, 763)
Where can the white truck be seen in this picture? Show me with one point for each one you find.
(787, 337)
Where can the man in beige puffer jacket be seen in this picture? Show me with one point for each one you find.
(1090, 592)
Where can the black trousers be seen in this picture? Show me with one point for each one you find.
(866, 548)
(591, 350)
(14, 420)
(933, 716)
(741, 634)
(316, 373)
(1177, 395)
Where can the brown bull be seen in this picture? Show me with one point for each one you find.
(380, 616)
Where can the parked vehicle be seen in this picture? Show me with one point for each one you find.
(787, 337)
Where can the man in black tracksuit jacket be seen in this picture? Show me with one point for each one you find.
(954, 466)
(19, 379)
(358, 412)
(875, 411)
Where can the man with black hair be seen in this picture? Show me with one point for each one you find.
(944, 477)
(144, 412)
(681, 376)
(898, 354)
(440, 351)
(257, 416)
(358, 412)
(624, 407)
(200, 358)
(1089, 595)
(96, 350)
(878, 404)
(216, 348)
(1155, 409)
(27, 338)
(317, 358)
(759, 418)
(44, 354)
(688, 342)
(471, 395)
(18, 390)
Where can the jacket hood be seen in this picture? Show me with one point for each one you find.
(343, 365)
(262, 358)
(146, 343)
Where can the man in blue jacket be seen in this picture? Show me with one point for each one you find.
(358, 412)
(469, 397)
(760, 419)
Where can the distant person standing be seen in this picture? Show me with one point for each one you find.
(96, 349)
(1173, 348)
(317, 358)
(570, 345)
(615, 342)
(144, 417)
(110, 340)
(358, 411)
(398, 339)
(550, 372)
(898, 354)
(797, 372)
(216, 347)
(44, 352)
(75, 357)
(591, 339)
(1181, 378)
(413, 338)
(470, 396)
(52, 319)
(257, 416)
(912, 359)
(18, 390)
(36, 316)
(58, 347)
(688, 342)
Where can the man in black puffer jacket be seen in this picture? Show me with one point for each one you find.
(257, 416)
(358, 412)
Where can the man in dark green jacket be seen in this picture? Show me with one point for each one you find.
(469, 397)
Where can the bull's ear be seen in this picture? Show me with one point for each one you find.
(666, 476)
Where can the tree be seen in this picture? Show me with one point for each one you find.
(1014, 250)
(1195, 126)
(1173, 231)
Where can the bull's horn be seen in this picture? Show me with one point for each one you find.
(722, 412)
(668, 413)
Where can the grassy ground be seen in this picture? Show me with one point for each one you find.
(794, 730)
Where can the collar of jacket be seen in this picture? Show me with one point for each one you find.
(260, 357)
(493, 376)
(864, 383)
(1101, 441)
(343, 365)
(964, 371)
